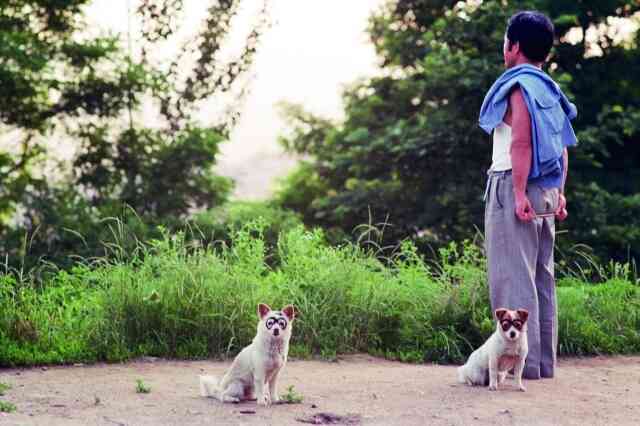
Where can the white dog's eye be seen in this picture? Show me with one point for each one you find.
(282, 323)
(270, 323)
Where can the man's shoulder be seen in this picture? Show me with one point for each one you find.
(545, 90)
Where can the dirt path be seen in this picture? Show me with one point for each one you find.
(596, 391)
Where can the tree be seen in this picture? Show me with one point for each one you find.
(55, 80)
(410, 146)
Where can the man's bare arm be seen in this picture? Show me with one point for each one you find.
(561, 212)
(565, 168)
(521, 153)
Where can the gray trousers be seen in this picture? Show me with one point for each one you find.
(520, 266)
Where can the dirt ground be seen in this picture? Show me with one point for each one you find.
(365, 390)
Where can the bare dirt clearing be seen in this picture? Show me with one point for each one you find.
(594, 391)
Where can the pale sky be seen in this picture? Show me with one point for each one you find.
(314, 49)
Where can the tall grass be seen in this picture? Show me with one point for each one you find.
(171, 298)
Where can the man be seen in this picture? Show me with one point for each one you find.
(529, 117)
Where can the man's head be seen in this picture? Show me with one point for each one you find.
(528, 39)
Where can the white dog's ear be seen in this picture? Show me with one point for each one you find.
(523, 314)
(263, 310)
(290, 311)
(500, 312)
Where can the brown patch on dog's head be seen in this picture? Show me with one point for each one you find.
(263, 310)
(523, 314)
(290, 311)
(512, 323)
(500, 313)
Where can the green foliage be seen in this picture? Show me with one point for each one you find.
(602, 319)
(154, 173)
(50, 326)
(292, 397)
(3, 388)
(141, 387)
(217, 226)
(37, 38)
(582, 265)
(7, 407)
(608, 222)
(66, 229)
(56, 80)
(217, 223)
(173, 299)
(410, 148)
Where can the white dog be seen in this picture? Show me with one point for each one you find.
(254, 372)
(507, 348)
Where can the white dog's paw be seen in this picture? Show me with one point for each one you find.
(265, 401)
(493, 387)
(502, 377)
(522, 388)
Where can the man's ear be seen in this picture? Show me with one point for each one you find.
(290, 311)
(263, 310)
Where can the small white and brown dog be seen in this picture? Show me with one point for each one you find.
(254, 372)
(507, 348)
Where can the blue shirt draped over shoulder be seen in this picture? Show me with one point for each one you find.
(550, 112)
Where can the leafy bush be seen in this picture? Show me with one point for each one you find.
(50, 325)
(608, 223)
(600, 319)
(174, 299)
(69, 229)
(220, 223)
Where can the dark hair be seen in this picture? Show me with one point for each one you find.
(534, 31)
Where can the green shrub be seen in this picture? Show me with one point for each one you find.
(47, 326)
(3, 388)
(219, 224)
(174, 299)
(599, 319)
(141, 387)
(7, 407)
(72, 230)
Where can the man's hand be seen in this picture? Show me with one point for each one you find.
(561, 212)
(524, 210)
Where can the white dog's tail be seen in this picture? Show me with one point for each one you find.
(209, 387)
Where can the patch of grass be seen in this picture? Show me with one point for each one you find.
(291, 397)
(171, 298)
(141, 387)
(298, 351)
(599, 319)
(4, 387)
(329, 354)
(7, 407)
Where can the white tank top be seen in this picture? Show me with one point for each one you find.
(501, 158)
